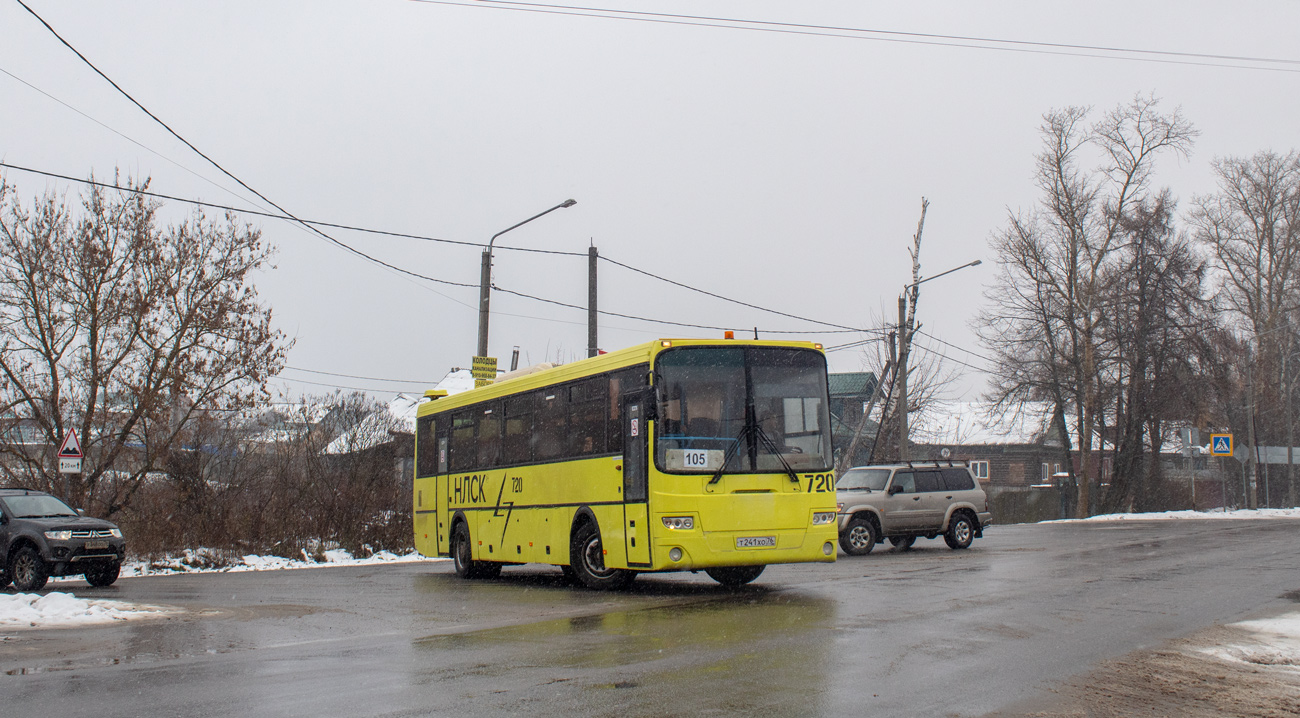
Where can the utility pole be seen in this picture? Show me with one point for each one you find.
(1251, 496)
(903, 454)
(592, 259)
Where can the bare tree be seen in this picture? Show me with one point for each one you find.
(1048, 305)
(1252, 227)
(124, 331)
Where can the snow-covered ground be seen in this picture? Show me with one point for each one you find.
(1271, 642)
(57, 609)
(208, 561)
(1211, 514)
(60, 610)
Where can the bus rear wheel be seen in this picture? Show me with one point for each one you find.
(732, 576)
(462, 556)
(587, 559)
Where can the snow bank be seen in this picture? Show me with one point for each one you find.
(1213, 514)
(61, 610)
(210, 561)
(1271, 642)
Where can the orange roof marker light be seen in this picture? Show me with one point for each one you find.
(728, 334)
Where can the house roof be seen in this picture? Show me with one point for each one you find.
(859, 383)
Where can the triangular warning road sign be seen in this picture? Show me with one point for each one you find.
(71, 448)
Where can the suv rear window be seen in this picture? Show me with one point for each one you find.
(958, 480)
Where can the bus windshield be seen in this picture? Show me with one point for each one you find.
(758, 409)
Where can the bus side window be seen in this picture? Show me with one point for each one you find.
(464, 452)
(519, 429)
(586, 417)
(489, 435)
(426, 447)
(551, 424)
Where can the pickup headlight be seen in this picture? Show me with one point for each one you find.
(681, 523)
(115, 533)
(823, 517)
(58, 535)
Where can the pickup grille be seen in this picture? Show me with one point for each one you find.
(92, 533)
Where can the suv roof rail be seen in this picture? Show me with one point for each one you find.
(19, 488)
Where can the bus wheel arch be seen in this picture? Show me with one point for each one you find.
(586, 556)
(462, 552)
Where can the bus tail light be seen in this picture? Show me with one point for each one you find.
(679, 523)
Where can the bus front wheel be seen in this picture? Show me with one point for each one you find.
(587, 559)
(462, 556)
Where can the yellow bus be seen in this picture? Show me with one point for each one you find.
(675, 455)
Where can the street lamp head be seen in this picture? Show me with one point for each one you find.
(569, 203)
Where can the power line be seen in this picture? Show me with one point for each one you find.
(339, 386)
(958, 348)
(869, 34)
(284, 216)
(226, 172)
(938, 353)
(365, 378)
(305, 222)
(727, 299)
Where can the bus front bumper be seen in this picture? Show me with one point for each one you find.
(698, 550)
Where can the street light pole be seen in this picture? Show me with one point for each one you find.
(485, 277)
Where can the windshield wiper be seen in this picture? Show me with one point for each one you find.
(771, 446)
(731, 453)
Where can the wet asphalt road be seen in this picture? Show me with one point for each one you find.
(926, 632)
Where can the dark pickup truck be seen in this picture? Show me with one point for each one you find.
(41, 537)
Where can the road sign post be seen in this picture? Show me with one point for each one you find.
(70, 455)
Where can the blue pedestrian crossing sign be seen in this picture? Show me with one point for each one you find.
(1220, 444)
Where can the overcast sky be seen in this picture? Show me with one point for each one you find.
(778, 165)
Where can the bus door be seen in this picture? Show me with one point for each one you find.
(636, 515)
(440, 494)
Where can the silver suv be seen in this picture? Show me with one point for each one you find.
(900, 502)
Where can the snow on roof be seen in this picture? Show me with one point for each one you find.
(399, 416)
(456, 381)
(972, 423)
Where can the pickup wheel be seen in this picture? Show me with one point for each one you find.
(28, 571)
(859, 537)
(104, 574)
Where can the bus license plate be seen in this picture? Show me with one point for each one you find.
(96, 545)
(756, 542)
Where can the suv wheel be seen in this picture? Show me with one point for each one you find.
(960, 532)
(859, 537)
(28, 571)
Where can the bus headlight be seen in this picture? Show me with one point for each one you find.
(675, 555)
(679, 523)
(828, 548)
(823, 517)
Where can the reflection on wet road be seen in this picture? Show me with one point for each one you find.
(924, 632)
